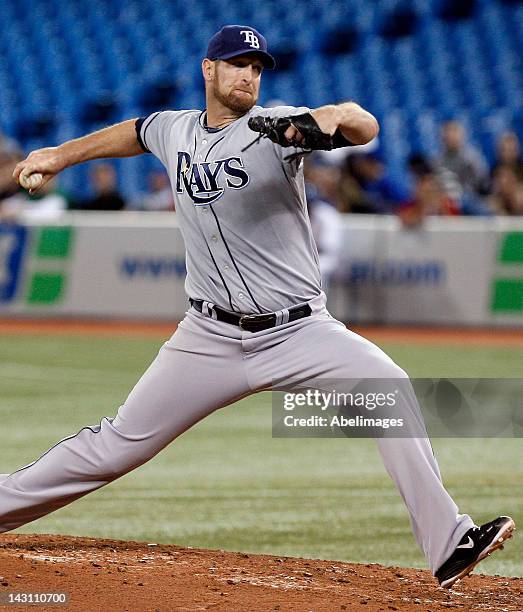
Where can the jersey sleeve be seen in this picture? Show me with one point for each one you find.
(154, 133)
(283, 111)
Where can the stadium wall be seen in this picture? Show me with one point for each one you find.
(450, 271)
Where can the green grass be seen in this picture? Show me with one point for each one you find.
(227, 483)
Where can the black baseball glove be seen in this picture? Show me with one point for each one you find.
(274, 128)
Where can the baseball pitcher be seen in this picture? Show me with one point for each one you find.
(257, 318)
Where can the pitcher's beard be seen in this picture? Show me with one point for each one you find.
(237, 104)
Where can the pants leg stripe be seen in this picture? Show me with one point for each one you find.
(94, 428)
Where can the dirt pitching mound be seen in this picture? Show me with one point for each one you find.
(114, 575)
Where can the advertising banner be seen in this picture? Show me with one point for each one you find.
(108, 266)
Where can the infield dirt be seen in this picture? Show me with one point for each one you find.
(122, 328)
(111, 575)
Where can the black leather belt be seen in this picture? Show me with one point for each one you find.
(253, 322)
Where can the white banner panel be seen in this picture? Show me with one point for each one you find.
(440, 273)
(131, 272)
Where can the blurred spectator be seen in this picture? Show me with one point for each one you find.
(325, 176)
(353, 197)
(104, 184)
(507, 192)
(429, 199)
(462, 168)
(10, 155)
(46, 205)
(367, 187)
(160, 195)
(419, 165)
(509, 154)
(326, 226)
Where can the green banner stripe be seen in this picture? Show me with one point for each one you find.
(508, 295)
(54, 242)
(512, 248)
(46, 288)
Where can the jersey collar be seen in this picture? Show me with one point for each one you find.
(202, 120)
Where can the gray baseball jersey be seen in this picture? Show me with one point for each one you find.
(242, 214)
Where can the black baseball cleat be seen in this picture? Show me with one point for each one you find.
(475, 545)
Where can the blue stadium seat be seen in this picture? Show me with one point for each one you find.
(449, 62)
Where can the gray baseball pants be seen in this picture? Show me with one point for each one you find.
(208, 364)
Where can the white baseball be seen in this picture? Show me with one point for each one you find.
(32, 181)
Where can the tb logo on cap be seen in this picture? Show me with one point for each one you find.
(251, 39)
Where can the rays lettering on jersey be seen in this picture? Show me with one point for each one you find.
(205, 182)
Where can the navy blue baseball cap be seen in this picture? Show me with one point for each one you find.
(233, 40)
